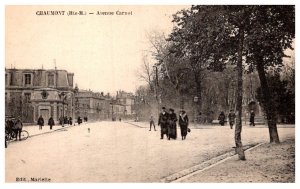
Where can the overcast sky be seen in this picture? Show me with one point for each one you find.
(103, 52)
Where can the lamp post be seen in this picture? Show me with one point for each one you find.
(63, 95)
(196, 99)
(156, 86)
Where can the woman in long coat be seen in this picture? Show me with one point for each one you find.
(222, 118)
(183, 123)
(51, 122)
(172, 129)
(163, 123)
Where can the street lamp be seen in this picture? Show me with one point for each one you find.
(63, 95)
(196, 99)
(156, 87)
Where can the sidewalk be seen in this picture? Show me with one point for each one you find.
(268, 163)
(33, 130)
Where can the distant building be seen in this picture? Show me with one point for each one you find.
(30, 93)
(94, 106)
(125, 102)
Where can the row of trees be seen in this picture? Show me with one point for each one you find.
(208, 52)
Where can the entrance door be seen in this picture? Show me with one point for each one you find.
(46, 114)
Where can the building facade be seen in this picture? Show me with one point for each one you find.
(126, 102)
(31, 93)
(94, 106)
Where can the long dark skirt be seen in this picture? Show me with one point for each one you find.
(164, 129)
(183, 129)
(172, 131)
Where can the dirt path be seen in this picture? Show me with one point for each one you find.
(265, 164)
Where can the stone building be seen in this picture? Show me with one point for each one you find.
(30, 93)
(94, 106)
(126, 102)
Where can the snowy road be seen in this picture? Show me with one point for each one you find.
(120, 152)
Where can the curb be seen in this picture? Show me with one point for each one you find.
(134, 124)
(49, 131)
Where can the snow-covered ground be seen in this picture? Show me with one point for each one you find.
(120, 152)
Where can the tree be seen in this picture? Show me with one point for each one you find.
(197, 37)
(171, 67)
(272, 32)
(146, 72)
(283, 97)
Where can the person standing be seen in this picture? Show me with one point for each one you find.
(66, 120)
(172, 128)
(51, 122)
(152, 123)
(79, 120)
(40, 122)
(70, 121)
(183, 124)
(222, 118)
(252, 117)
(231, 118)
(163, 123)
(17, 128)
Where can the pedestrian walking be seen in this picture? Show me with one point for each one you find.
(172, 128)
(70, 121)
(252, 117)
(152, 123)
(163, 123)
(40, 122)
(79, 120)
(183, 124)
(222, 118)
(51, 122)
(231, 118)
(66, 120)
(17, 128)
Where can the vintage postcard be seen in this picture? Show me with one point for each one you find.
(149, 93)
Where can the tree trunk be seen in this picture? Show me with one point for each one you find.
(269, 108)
(239, 108)
(198, 91)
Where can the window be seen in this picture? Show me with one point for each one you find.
(27, 79)
(51, 80)
(27, 97)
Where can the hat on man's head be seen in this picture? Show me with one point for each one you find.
(172, 110)
(163, 108)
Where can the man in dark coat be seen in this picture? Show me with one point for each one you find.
(40, 122)
(79, 120)
(51, 122)
(252, 116)
(183, 123)
(222, 118)
(163, 122)
(231, 118)
(70, 121)
(172, 128)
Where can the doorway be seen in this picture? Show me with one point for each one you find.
(45, 113)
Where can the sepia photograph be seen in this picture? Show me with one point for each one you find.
(149, 93)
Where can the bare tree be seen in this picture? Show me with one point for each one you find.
(146, 72)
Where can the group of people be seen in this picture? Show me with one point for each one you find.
(66, 120)
(40, 122)
(231, 118)
(167, 122)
